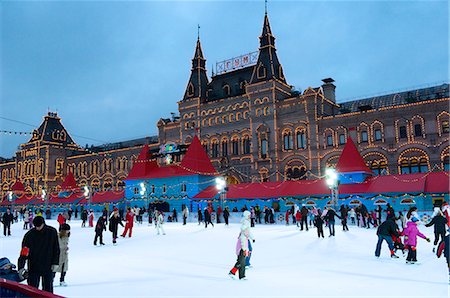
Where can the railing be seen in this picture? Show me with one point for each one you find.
(13, 289)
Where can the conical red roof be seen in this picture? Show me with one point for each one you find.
(143, 164)
(18, 186)
(351, 161)
(196, 159)
(69, 182)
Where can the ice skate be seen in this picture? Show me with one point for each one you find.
(394, 256)
(63, 284)
(231, 275)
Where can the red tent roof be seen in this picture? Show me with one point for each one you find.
(18, 186)
(104, 197)
(24, 200)
(69, 182)
(413, 183)
(351, 161)
(195, 162)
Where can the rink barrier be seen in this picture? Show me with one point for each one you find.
(13, 289)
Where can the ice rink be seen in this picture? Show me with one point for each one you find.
(191, 261)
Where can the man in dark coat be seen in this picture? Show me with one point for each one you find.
(390, 211)
(226, 215)
(99, 228)
(304, 220)
(385, 232)
(41, 248)
(114, 223)
(7, 220)
(331, 220)
(207, 216)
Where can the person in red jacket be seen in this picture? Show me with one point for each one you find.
(61, 220)
(129, 217)
(91, 218)
(288, 213)
(298, 217)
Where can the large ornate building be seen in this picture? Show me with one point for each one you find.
(255, 127)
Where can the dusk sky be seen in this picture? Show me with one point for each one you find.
(112, 69)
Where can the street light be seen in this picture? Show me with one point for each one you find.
(143, 191)
(221, 186)
(10, 199)
(332, 181)
(86, 195)
(44, 198)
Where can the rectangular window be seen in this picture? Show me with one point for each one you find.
(183, 187)
(364, 136)
(417, 130)
(341, 139)
(377, 134)
(164, 188)
(402, 132)
(153, 189)
(263, 148)
(288, 142)
(330, 140)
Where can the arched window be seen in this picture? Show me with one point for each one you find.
(224, 147)
(190, 89)
(235, 146)
(264, 174)
(215, 148)
(379, 167)
(261, 71)
(226, 90)
(288, 143)
(413, 165)
(246, 144)
(301, 139)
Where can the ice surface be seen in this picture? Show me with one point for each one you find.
(191, 261)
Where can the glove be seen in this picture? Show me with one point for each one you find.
(55, 268)
(23, 274)
(254, 240)
(428, 239)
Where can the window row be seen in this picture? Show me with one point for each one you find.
(238, 146)
(137, 190)
(300, 140)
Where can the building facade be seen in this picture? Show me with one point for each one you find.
(255, 127)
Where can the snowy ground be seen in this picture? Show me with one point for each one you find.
(191, 261)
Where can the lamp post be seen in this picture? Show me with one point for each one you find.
(44, 198)
(143, 191)
(10, 199)
(221, 186)
(86, 195)
(333, 183)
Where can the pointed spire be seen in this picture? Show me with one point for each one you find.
(196, 159)
(267, 67)
(198, 82)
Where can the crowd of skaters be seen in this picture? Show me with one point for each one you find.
(399, 230)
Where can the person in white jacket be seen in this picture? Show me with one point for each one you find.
(242, 247)
(159, 223)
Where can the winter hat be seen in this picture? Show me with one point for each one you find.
(414, 219)
(38, 221)
(65, 227)
(5, 262)
(246, 214)
(115, 209)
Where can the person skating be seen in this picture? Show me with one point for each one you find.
(114, 222)
(61, 220)
(160, 223)
(242, 249)
(444, 248)
(329, 217)
(318, 222)
(7, 220)
(439, 222)
(304, 220)
(411, 233)
(91, 218)
(344, 214)
(385, 232)
(26, 219)
(99, 228)
(84, 216)
(174, 215)
(185, 214)
(40, 250)
(226, 215)
(63, 265)
(298, 217)
(129, 217)
(207, 216)
(199, 216)
(219, 214)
